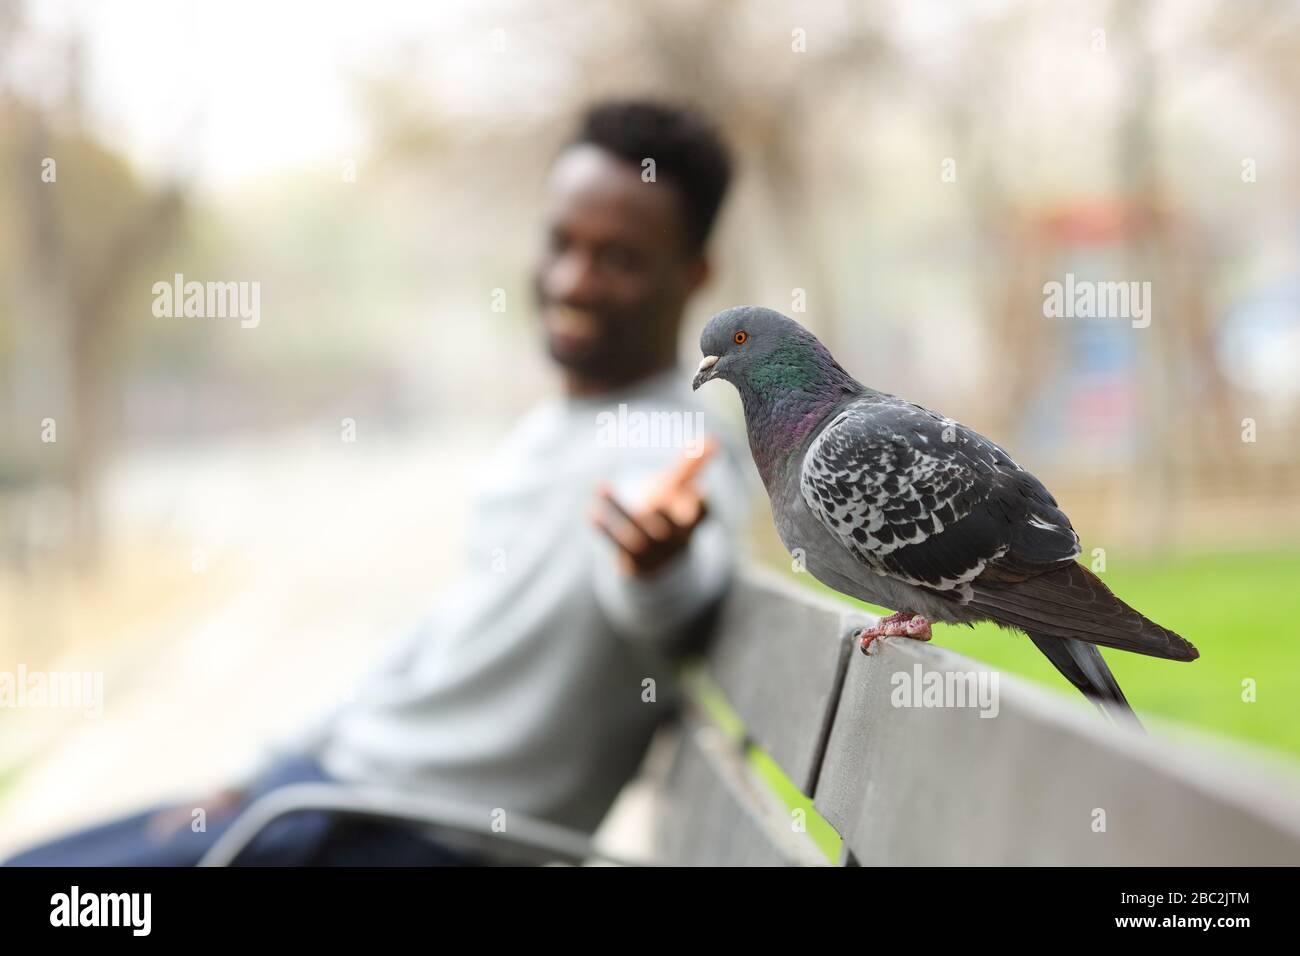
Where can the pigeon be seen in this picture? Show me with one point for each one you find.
(902, 507)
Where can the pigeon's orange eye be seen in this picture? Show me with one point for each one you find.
(740, 337)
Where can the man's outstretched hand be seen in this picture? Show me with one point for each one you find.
(651, 536)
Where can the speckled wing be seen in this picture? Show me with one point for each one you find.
(921, 498)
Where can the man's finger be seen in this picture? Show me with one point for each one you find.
(689, 467)
(649, 526)
(626, 536)
(657, 523)
(687, 510)
(673, 528)
(607, 496)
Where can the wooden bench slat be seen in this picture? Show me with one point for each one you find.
(779, 656)
(946, 786)
(716, 812)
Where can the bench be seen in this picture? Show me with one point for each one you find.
(782, 699)
(1044, 782)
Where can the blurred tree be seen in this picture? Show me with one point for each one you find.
(84, 237)
(783, 86)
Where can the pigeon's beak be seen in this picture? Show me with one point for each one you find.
(705, 371)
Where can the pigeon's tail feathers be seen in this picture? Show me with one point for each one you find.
(1072, 602)
(1085, 668)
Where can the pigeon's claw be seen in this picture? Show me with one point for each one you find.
(902, 624)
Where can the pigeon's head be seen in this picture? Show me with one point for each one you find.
(742, 338)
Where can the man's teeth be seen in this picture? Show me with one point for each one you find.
(573, 321)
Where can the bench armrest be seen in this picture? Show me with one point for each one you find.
(533, 837)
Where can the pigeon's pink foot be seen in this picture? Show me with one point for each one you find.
(902, 624)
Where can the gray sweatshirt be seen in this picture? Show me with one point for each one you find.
(525, 688)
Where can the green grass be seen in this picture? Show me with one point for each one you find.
(714, 703)
(821, 832)
(1242, 611)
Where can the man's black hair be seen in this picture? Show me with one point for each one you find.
(686, 147)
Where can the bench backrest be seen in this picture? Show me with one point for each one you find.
(1038, 779)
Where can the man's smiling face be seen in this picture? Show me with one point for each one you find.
(615, 271)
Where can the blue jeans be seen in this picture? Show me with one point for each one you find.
(308, 838)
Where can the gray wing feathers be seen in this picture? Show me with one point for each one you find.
(919, 497)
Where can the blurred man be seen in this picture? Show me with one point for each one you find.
(601, 534)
